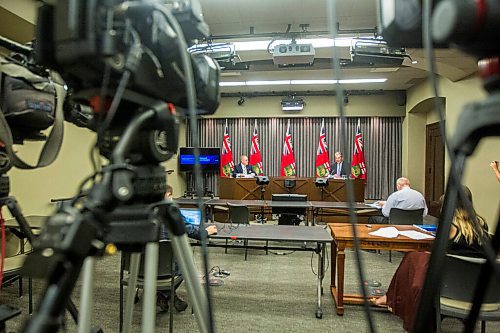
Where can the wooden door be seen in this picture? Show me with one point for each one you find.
(434, 168)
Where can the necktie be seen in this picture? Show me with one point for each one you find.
(338, 169)
(244, 169)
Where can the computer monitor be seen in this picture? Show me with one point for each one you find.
(191, 216)
(288, 214)
(209, 159)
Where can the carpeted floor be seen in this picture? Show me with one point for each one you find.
(266, 293)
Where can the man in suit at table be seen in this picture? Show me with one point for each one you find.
(243, 168)
(340, 168)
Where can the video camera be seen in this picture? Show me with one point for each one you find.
(473, 27)
(129, 50)
(127, 67)
(81, 40)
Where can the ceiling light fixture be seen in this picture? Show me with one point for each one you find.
(267, 83)
(260, 45)
(298, 82)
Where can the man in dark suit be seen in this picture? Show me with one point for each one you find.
(243, 168)
(340, 168)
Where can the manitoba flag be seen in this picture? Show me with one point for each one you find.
(255, 157)
(322, 159)
(226, 156)
(358, 168)
(287, 158)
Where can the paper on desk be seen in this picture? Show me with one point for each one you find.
(387, 232)
(374, 205)
(415, 234)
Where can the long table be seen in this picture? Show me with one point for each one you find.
(296, 237)
(246, 188)
(341, 210)
(343, 238)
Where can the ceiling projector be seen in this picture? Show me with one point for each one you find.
(377, 53)
(290, 55)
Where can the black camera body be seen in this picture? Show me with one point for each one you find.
(94, 44)
(79, 39)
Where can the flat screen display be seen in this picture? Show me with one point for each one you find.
(209, 159)
(191, 216)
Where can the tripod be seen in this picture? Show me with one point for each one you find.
(262, 218)
(123, 208)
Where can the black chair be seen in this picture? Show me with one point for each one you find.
(166, 276)
(405, 217)
(459, 279)
(239, 214)
(15, 255)
(12, 273)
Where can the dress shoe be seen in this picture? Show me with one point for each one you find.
(162, 302)
(179, 304)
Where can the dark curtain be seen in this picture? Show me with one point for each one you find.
(381, 138)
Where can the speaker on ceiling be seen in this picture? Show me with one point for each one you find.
(401, 98)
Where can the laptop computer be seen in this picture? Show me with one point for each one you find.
(191, 216)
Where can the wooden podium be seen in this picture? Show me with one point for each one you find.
(247, 189)
(241, 189)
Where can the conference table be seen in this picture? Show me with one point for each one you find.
(298, 238)
(262, 204)
(316, 208)
(343, 238)
(340, 209)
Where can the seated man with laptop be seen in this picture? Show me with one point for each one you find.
(192, 219)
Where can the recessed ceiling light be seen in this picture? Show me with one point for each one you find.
(384, 70)
(257, 45)
(227, 74)
(232, 83)
(267, 83)
(298, 82)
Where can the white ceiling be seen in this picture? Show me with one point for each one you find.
(235, 17)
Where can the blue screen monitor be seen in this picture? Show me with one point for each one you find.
(209, 159)
(191, 215)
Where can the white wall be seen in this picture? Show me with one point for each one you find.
(478, 176)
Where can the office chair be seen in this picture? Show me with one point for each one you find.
(16, 251)
(239, 214)
(460, 277)
(12, 273)
(405, 217)
(166, 277)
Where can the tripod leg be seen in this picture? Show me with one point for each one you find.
(197, 296)
(135, 259)
(150, 275)
(87, 299)
(15, 211)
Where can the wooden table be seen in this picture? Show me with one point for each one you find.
(343, 238)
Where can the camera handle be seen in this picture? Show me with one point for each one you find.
(477, 121)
